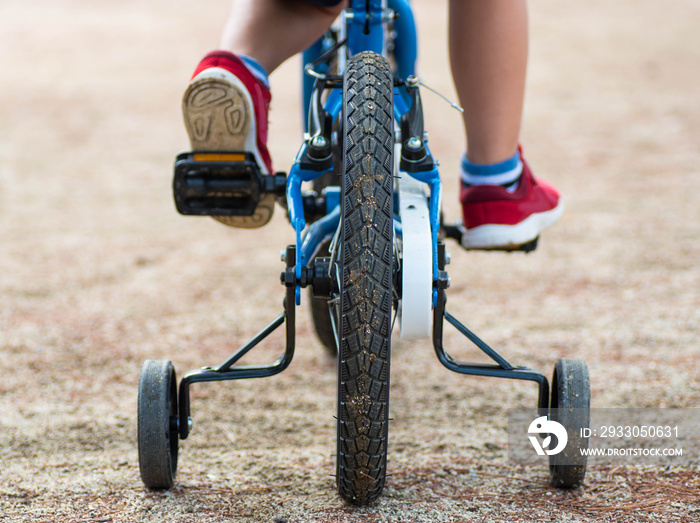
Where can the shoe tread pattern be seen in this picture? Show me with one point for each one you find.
(218, 117)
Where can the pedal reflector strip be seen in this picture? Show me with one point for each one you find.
(218, 157)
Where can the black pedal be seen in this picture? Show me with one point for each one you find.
(220, 183)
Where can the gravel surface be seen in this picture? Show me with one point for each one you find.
(98, 273)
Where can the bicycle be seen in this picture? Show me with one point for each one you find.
(367, 245)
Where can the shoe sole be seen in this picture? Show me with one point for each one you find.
(219, 116)
(511, 237)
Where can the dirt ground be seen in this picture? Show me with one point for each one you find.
(98, 273)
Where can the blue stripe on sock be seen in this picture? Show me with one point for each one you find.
(257, 69)
(492, 169)
(506, 173)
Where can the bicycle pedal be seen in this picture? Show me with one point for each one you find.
(226, 185)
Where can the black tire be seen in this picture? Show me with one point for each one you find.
(157, 424)
(365, 267)
(321, 315)
(571, 406)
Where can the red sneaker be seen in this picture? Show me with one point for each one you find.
(226, 109)
(497, 219)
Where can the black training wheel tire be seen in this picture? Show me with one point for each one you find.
(157, 424)
(365, 267)
(571, 406)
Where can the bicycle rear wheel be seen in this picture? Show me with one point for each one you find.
(321, 315)
(364, 265)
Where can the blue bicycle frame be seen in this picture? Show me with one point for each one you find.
(365, 25)
(364, 28)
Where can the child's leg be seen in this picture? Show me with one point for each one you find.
(503, 205)
(270, 31)
(488, 54)
(227, 102)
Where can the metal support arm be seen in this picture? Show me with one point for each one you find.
(502, 369)
(228, 371)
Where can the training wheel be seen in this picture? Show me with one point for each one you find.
(157, 424)
(571, 407)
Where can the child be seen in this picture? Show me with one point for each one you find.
(504, 206)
